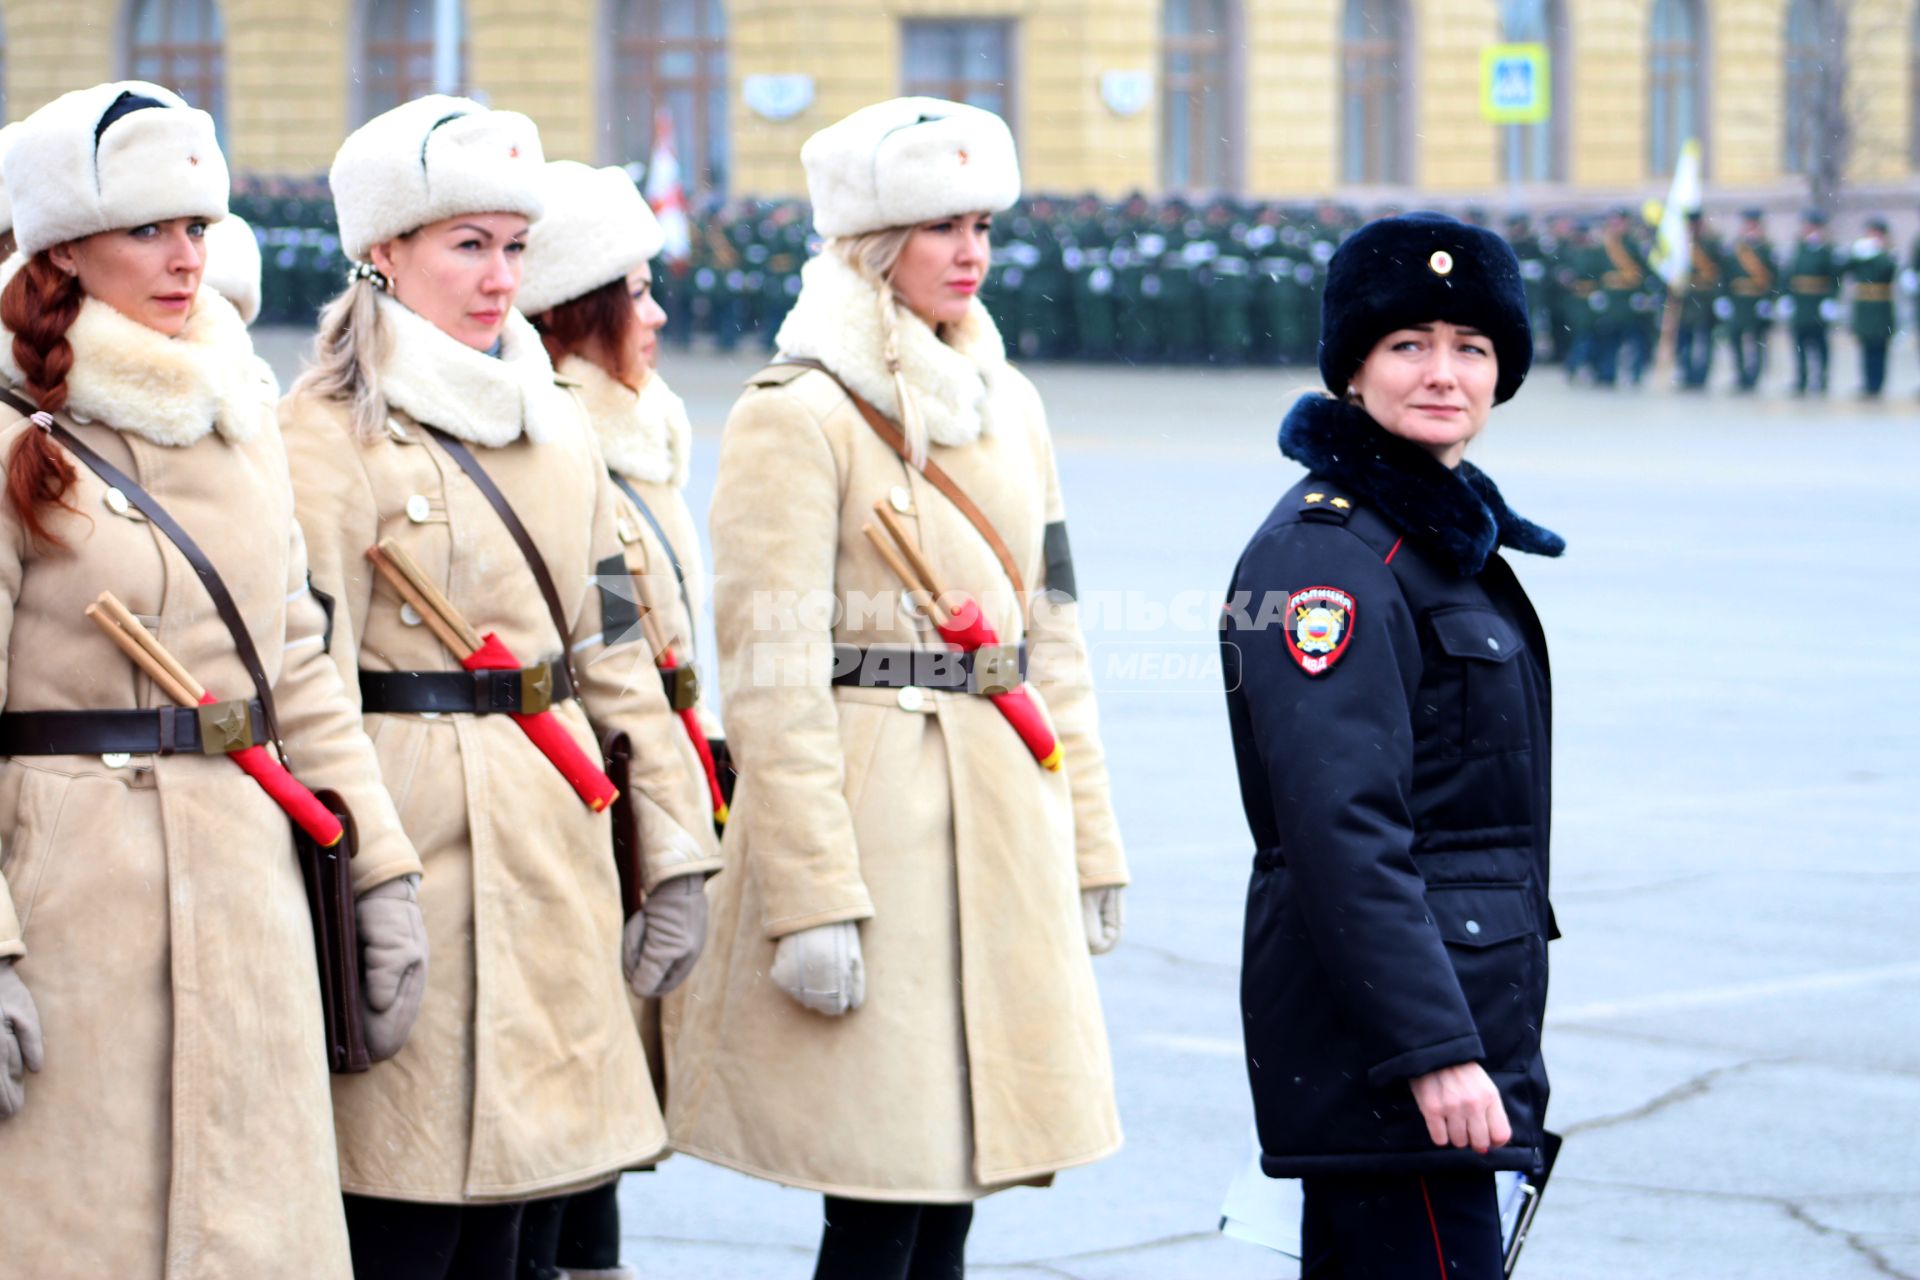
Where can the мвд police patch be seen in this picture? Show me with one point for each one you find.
(1319, 624)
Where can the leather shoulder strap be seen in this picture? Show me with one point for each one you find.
(459, 452)
(653, 522)
(163, 521)
(935, 475)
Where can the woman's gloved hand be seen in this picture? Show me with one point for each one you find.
(822, 969)
(1105, 915)
(393, 962)
(19, 1039)
(664, 938)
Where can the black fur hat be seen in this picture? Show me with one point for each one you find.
(1415, 269)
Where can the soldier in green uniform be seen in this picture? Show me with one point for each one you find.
(1527, 247)
(1753, 284)
(1578, 269)
(1620, 269)
(1700, 305)
(1094, 304)
(1872, 270)
(1813, 285)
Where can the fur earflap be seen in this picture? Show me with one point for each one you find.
(902, 162)
(597, 228)
(1455, 512)
(72, 176)
(645, 435)
(483, 399)
(433, 158)
(233, 265)
(172, 391)
(955, 383)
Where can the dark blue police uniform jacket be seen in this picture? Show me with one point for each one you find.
(1390, 703)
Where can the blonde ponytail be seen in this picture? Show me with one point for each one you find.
(347, 354)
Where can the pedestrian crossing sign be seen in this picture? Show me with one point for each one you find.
(1514, 84)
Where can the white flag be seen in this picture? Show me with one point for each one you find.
(665, 193)
(1673, 245)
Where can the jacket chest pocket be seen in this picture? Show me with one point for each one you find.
(1473, 697)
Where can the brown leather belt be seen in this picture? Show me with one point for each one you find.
(1873, 293)
(993, 669)
(161, 731)
(527, 691)
(1811, 284)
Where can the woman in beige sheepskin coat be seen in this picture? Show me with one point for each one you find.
(898, 1009)
(179, 1125)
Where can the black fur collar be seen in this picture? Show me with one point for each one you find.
(1458, 513)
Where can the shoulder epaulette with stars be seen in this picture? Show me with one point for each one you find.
(1325, 507)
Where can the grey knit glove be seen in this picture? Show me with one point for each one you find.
(1105, 915)
(20, 1049)
(664, 938)
(393, 962)
(822, 968)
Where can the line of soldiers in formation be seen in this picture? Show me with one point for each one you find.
(1231, 282)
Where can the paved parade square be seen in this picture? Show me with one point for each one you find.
(1734, 1028)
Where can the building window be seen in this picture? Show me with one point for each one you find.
(970, 62)
(1199, 95)
(1374, 63)
(1816, 61)
(1537, 152)
(670, 70)
(1676, 84)
(398, 47)
(181, 44)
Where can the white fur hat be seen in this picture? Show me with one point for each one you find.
(7, 135)
(906, 161)
(233, 265)
(429, 159)
(597, 228)
(70, 178)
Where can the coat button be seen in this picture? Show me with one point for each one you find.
(116, 759)
(1473, 927)
(626, 530)
(900, 500)
(409, 615)
(418, 508)
(912, 698)
(117, 502)
(1493, 643)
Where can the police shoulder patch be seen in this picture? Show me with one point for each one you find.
(1319, 625)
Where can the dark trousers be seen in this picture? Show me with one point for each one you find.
(402, 1240)
(1750, 356)
(1873, 365)
(1693, 354)
(1809, 350)
(866, 1240)
(1606, 357)
(580, 1232)
(1400, 1226)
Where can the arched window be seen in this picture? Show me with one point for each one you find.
(1913, 90)
(1816, 62)
(182, 45)
(1537, 152)
(1676, 83)
(1200, 95)
(1373, 44)
(401, 48)
(670, 62)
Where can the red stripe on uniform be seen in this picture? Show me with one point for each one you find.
(1396, 550)
(1439, 1254)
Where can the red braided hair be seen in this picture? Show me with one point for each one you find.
(38, 306)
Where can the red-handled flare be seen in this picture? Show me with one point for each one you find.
(546, 732)
(691, 720)
(967, 629)
(286, 790)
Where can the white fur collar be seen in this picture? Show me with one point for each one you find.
(836, 321)
(172, 391)
(645, 436)
(436, 379)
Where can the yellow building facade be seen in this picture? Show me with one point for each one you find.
(1287, 98)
